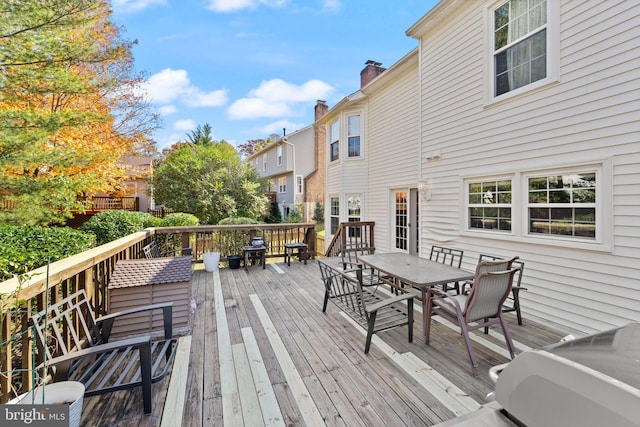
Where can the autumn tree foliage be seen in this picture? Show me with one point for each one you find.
(69, 107)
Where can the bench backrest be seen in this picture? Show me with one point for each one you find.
(151, 250)
(66, 326)
(344, 287)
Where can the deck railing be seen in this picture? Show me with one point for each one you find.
(355, 234)
(91, 270)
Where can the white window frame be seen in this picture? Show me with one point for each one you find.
(334, 213)
(279, 155)
(350, 135)
(282, 184)
(553, 53)
(489, 204)
(299, 184)
(520, 207)
(334, 138)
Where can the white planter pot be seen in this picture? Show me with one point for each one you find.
(56, 393)
(211, 261)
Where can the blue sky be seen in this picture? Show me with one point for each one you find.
(250, 68)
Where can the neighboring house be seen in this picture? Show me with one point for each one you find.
(139, 170)
(286, 163)
(527, 143)
(372, 155)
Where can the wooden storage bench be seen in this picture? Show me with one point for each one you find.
(372, 310)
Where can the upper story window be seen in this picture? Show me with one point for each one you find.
(353, 136)
(280, 155)
(334, 141)
(282, 184)
(563, 205)
(489, 205)
(520, 44)
(264, 162)
(299, 184)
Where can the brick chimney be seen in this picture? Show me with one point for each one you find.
(371, 70)
(321, 109)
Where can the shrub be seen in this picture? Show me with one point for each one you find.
(294, 217)
(108, 226)
(318, 212)
(179, 219)
(23, 248)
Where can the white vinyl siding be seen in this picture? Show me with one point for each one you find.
(589, 116)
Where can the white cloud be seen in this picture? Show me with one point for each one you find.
(165, 110)
(174, 85)
(276, 98)
(185, 125)
(130, 6)
(234, 5)
(331, 5)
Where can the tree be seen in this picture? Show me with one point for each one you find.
(254, 145)
(69, 107)
(201, 136)
(210, 182)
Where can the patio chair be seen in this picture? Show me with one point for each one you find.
(481, 306)
(349, 254)
(452, 257)
(77, 347)
(153, 251)
(514, 298)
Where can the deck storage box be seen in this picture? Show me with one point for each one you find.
(140, 282)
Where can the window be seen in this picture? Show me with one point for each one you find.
(280, 155)
(335, 214)
(353, 214)
(520, 44)
(334, 140)
(563, 205)
(299, 184)
(489, 204)
(353, 136)
(282, 184)
(264, 162)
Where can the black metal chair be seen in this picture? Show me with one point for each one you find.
(452, 257)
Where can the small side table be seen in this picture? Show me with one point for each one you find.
(253, 252)
(290, 247)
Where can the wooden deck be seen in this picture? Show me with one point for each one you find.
(263, 353)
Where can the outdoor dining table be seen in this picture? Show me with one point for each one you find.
(415, 271)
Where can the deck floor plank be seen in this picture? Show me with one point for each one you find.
(278, 313)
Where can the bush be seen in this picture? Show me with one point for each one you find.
(23, 248)
(318, 213)
(108, 226)
(295, 216)
(237, 221)
(179, 219)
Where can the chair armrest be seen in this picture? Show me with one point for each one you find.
(98, 349)
(389, 301)
(167, 316)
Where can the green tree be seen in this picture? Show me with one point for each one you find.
(201, 135)
(210, 182)
(69, 107)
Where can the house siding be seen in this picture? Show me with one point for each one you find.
(393, 149)
(589, 116)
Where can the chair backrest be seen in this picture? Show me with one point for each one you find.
(74, 315)
(350, 251)
(151, 250)
(344, 287)
(517, 279)
(447, 256)
(490, 289)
